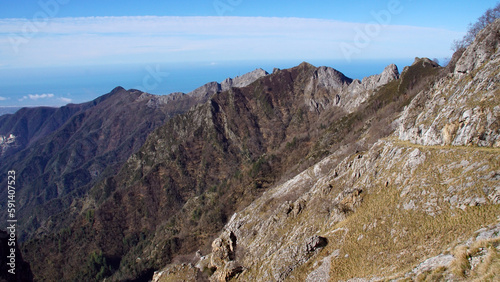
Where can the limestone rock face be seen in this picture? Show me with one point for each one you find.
(223, 258)
(324, 88)
(243, 80)
(359, 91)
(463, 108)
(389, 74)
(484, 46)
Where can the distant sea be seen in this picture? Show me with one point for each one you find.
(26, 87)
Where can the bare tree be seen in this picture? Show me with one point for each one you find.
(488, 17)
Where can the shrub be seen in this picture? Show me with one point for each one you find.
(488, 17)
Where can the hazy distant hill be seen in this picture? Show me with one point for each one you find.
(8, 110)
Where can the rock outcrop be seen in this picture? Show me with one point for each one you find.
(359, 91)
(389, 74)
(463, 108)
(481, 50)
(243, 80)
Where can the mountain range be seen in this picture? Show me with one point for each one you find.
(299, 175)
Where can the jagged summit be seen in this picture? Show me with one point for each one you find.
(243, 80)
(204, 92)
(389, 74)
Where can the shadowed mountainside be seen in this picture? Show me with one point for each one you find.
(62, 152)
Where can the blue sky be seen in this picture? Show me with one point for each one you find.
(69, 33)
(453, 15)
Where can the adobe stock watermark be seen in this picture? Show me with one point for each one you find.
(364, 36)
(153, 78)
(223, 6)
(48, 10)
(11, 221)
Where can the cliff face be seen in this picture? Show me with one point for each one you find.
(463, 109)
(422, 203)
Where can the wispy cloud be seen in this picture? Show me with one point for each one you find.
(101, 40)
(48, 98)
(37, 96)
(2, 98)
(65, 100)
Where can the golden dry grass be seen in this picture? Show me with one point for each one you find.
(460, 265)
(384, 239)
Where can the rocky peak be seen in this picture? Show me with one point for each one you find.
(425, 62)
(202, 93)
(244, 80)
(330, 77)
(358, 91)
(389, 74)
(205, 90)
(324, 87)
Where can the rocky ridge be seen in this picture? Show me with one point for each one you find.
(359, 91)
(202, 93)
(243, 80)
